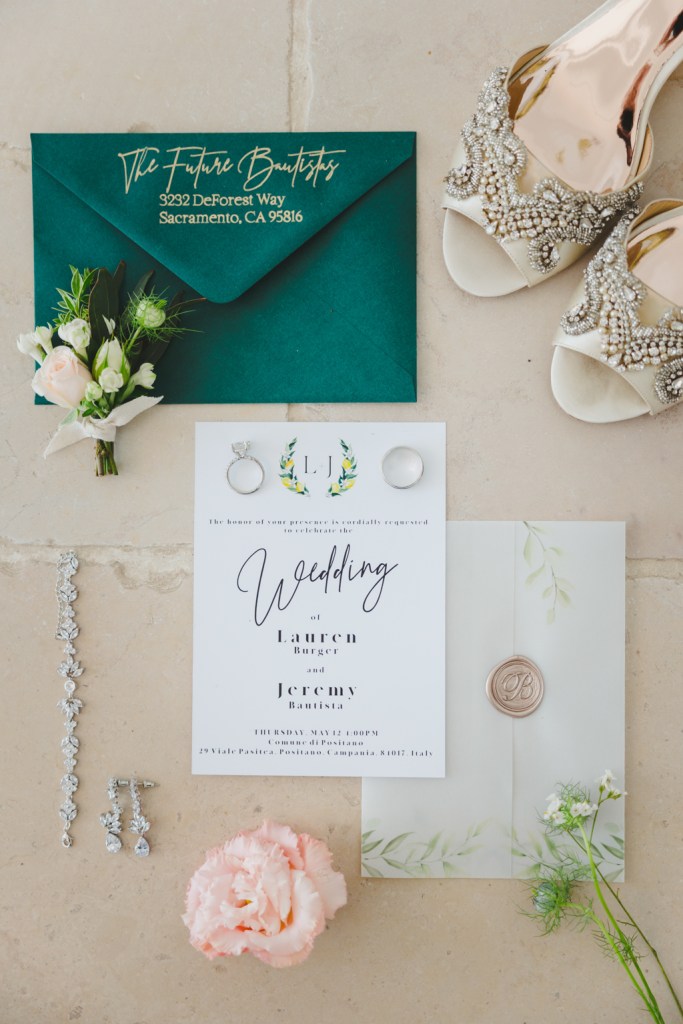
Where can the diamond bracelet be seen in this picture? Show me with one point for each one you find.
(69, 670)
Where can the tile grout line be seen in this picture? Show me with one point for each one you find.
(300, 68)
(177, 557)
(300, 76)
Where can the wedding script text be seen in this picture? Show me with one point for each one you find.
(252, 578)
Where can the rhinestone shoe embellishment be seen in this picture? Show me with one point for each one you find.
(551, 213)
(669, 383)
(613, 296)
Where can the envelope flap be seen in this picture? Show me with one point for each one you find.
(221, 210)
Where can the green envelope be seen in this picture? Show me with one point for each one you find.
(302, 243)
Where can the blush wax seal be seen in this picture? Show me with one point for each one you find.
(515, 686)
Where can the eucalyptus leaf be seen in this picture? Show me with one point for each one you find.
(397, 864)
(612, 876)
(374, 872)
(394, 843)
(536, 574)
(369, 847)
(618, 853)
(431, 845)
(473, 848)
(552, 845)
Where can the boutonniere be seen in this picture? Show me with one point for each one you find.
(105, 357)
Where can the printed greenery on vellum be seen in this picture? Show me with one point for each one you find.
(558, 895)
(408, 856)
(545, 562)
(105, 358)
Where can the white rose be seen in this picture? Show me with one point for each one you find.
(93, 392)
(144, 377)
(62, 378)
(77, 334)
(110, 380)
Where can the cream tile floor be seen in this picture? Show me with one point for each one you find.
(95, 939)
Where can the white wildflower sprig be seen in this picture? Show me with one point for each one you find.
(555, 897)
(608, 787)
(568, 808)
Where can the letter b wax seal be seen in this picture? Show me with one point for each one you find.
(515, 686)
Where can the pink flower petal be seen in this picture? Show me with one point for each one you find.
(318, 866)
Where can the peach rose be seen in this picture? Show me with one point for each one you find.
(62, 378)
(266, 892)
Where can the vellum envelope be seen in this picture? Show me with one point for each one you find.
(303, 244)
(553, 592)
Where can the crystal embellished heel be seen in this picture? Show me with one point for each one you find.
(619, 350)
(558, 147)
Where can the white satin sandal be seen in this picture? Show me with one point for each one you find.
(619, 349)
(558, 147)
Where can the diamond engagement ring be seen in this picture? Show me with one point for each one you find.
(245, 474)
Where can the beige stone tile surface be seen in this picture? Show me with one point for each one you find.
(94, 937)
(88, 937)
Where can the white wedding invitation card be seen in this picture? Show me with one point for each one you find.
(319, 602)
(551, 594)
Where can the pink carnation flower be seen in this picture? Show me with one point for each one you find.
(266, 892)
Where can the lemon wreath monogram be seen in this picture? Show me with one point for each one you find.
(344, 482)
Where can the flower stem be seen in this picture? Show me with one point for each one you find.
(131, 341)
(651, 1002)
(645, 939)
(632, 921)
(105, 463)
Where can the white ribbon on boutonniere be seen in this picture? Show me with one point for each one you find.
(76, 428)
